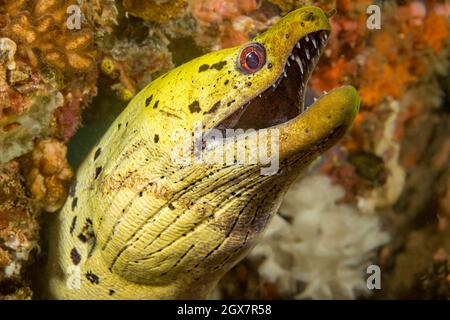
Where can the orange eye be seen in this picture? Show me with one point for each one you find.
(252, 58)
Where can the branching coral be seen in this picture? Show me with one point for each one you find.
(322, 245)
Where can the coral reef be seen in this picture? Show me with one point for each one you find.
(48, 174)
(51, 54)
(155, 10)
(130, 64)
(394, 163)
(222, 24)
(48, 73)
(43, 35)
(18, 233)
(26, 104)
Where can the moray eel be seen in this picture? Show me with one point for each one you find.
(138, 225)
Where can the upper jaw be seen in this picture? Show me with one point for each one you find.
(283, 99)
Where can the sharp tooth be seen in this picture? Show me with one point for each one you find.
(260, 96)
(292, 57)
(288, 64)
(314, 43)
(315, 99)
(300, 64)
(307, 38)
(307, 54)
(298, 45)
(274, 86)
(284, 74)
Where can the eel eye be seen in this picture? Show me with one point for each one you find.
(252, 58)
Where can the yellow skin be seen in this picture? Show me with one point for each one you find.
(139, 226)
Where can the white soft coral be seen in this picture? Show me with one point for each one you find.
(325, 246)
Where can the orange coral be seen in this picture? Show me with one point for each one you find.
(393, 82)
(48, 174)
(436, 31)
(229, 20)
(43, 36)
(50, 55)
(155, 10)
(216, 10)
(19, 230)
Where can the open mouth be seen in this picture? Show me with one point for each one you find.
(285, 98)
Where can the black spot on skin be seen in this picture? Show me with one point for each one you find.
(309, 16)
(97, 153)
(118, 126)
(302, 24)
(126, 125)
(73, 188)
(82, 238)
(93, 242)
(227, 82)
(98, 170)
(111, 292)
(249, 84)
(171, 206)
(230, 103)
(219, 66)
(156, 104)
(287, 35)
(203, 68)
(141, 194)
(75, 256)
(169, 114)
(194, 107)
(73, 224)
(156, 138)
(269, 66)
(87, 235)
(93, 278)
(148, 101)
(74, 203)
(213, 108)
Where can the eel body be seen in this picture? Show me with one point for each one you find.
(140, 225)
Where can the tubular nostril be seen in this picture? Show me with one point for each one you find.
(331, 13)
